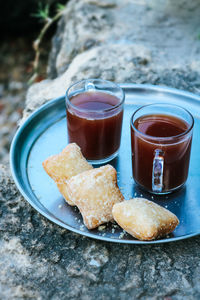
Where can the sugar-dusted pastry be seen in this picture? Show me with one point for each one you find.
(144, 219)
(66, 164)
(95, 192)
(63, 166)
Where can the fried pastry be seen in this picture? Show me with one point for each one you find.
(144, 219)
(63, 166)
(95, 192)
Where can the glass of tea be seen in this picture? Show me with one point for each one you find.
(161, 137)
(94, 118)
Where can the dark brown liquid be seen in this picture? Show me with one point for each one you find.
(176, 153)
(98, 132)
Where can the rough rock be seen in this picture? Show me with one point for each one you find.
(123, 41)
(169, 28)
(40, 260)
(119, 63)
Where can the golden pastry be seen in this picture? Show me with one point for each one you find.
(63, 166)
(95, 192)
(144, 219)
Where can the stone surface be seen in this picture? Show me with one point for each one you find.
(169, 28)
(16, 55)
(119, 63)
(123, 41)
(40, 260)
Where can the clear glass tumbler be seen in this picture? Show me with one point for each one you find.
(161, 137)
(94, 118)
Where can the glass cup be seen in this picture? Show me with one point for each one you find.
(94, 118)
(161, 137)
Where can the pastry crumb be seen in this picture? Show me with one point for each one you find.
(101, 228)
(122, 234)
(82, 227)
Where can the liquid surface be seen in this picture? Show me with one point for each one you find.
(94, 101)
(161, 125)
(176, 153)
(98, 133)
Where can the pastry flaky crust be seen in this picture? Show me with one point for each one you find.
(144, 219)
(61, 167)
(95, 192)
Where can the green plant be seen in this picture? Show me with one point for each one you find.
(43, 13)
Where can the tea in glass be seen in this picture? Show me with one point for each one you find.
(161, 138)
(94, 118)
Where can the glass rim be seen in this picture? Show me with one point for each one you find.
(169, 138)
(95, 110)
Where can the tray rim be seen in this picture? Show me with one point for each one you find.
(48, 214)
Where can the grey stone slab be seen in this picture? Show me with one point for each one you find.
(39, 260)
(119, 63)
(169, 28)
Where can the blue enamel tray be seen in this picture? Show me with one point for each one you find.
(44, 133)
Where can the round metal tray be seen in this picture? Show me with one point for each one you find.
(44, 133)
